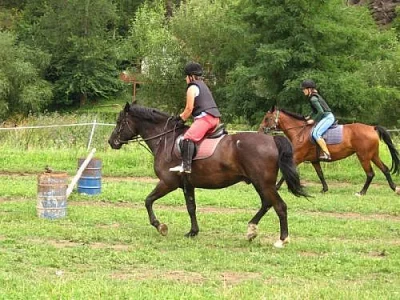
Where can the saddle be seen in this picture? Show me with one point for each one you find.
(334, 134)
(206, 147)
(218, 131)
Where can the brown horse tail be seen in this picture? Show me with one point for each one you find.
(385, 136)
(287, 166)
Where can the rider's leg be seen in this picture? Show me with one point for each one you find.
(187, 155)
(194, 134)
(326, 155)
(187, 150)
(319, 130)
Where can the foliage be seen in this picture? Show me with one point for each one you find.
(255, 53)
(158, 50)
(22, 87)
(80, 38)
(296, 41)
(126, 10)
(205, 31)
(212, 33)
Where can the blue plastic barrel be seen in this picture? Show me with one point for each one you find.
(52, 195)
(90, 181)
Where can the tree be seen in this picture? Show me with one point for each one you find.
(80, 37)
(296, 40)
(22, 88)
(206, 31)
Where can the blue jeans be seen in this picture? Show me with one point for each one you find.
(323, 126)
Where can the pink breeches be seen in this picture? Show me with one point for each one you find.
(200, 127)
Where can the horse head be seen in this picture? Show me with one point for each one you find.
(270, 122)
(125, 129)
(151, 124)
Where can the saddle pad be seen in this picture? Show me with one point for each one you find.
(204, 149)
(332, 135)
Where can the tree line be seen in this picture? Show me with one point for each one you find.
(58, 53)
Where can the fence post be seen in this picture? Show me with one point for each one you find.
(91, 134)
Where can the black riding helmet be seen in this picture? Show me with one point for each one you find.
(193, 68)
(308, 83)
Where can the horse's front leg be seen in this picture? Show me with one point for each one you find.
(188, 191)
(318, 169)
(159, 191)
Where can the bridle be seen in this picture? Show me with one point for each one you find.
(138, 138)
(274, 127)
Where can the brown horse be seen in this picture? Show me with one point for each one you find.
(357, 138)
(250, 157)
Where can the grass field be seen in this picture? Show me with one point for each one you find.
(342, 246)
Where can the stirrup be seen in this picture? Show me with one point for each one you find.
(324, 156)
(178, 168)
(187, 171)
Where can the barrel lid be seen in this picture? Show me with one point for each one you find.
(53, 174)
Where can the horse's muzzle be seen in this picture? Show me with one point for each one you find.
(115, 144)
(265, 130)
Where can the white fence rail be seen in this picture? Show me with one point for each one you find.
(94, 124)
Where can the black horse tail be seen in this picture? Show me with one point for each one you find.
(385, 136)
(287, 166)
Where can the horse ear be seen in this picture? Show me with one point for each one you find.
(127, 107)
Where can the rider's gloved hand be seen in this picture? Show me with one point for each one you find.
(179, 121)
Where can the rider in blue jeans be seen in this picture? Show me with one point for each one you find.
(321, 115)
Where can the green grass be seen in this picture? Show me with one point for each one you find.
(343, 247)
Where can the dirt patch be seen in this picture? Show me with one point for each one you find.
(223, 210)
(130, 178)
(354, 216)
(107, 226)
(146, 274)
(378, 254)
(234, 278)
(70, 244)
(227, 278)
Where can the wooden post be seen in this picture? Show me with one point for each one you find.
(80, 171)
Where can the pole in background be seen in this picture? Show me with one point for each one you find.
(91, 135)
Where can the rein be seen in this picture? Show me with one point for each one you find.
(274, 128)
(140, 139)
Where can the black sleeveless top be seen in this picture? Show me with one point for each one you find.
(204, 102)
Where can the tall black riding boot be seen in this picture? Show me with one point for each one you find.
(187, 155)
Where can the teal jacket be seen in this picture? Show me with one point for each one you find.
(319, 108)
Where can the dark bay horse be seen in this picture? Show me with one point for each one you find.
(250, 157)
(357, 138)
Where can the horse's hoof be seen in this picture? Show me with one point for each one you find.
(162, 229)
(251, 232)
(358, 194)
(191, 234)
(398, 190)
(280, 243)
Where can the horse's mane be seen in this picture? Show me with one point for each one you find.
(294, 115)
(150, 114)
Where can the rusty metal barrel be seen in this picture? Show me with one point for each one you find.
(90, 181)
(52, 195)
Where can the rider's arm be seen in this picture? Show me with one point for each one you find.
(191, 93)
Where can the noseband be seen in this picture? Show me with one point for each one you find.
(139, 139)
(125, 121)
(274, 127)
